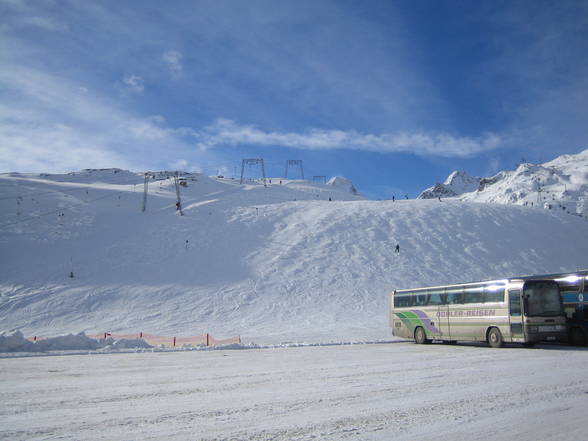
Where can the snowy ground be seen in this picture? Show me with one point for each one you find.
(272, 264)
(397, 391)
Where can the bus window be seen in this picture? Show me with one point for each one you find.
(494, 293)
(454, 295)
(542, 298)
(421, 298)
(403, 300)
(569, 287)
(473, 294)
(514, 301)
(435, 296)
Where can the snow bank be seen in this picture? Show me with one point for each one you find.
(16, 342)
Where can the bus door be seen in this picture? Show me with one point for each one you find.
(515, 316)
(442, 323)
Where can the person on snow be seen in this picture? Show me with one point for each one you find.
(397, 248)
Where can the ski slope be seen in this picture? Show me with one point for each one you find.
(276, 263)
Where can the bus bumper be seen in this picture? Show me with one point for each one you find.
(549, 337)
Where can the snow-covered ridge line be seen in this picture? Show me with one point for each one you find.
(560, 184)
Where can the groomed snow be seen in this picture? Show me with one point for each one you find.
(273, 264)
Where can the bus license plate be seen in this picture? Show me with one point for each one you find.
(547, 328)
(550, 338)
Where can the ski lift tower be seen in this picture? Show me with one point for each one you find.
(252, 161)
(294, 162)
(539, 198)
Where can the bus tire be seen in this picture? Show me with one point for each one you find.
(420, 337)
(494, 338)
(577, 337)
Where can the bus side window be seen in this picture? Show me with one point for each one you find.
(454, 296)
(403, 300)
(444, 297)
(514, 302)
(494, 293)
(435, 296)
(421, 298)
(569, 287)
(473, 294)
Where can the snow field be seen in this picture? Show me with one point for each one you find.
(272, 264)
(395, 391)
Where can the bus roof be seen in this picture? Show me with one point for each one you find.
(501, 281)
(556, 275)
(483, 282)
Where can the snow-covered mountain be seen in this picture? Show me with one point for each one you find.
(272, 263)
(561, 184)
(343, 184)
(457, 182)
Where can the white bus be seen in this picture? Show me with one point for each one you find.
(496, 311)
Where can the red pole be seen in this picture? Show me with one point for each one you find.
(174, 342)
(35, 338)
(207, 339)
(141, 334)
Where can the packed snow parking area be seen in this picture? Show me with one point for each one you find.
(397, 391)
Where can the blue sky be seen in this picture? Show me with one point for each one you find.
(393, 95)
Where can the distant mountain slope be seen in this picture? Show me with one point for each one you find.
(561, 184)
(276, 263)
(457, 182)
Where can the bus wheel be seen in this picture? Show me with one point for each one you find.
(494, 338)
(420, 337)
(577, 337)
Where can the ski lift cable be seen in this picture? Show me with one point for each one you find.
(30, 218)
(89, 187)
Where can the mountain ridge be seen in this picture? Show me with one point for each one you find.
(560, 184)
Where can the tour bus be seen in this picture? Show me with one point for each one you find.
(496, 311)
(574, 294)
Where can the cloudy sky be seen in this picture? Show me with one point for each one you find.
(391, 94)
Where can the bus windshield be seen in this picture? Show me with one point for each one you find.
(542, 299)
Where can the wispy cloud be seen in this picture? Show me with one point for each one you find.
(173, 59)
(49, 124)
(133, 83)
(46, 23)
(225, 132)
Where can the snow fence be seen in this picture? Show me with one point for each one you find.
(161, 341)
